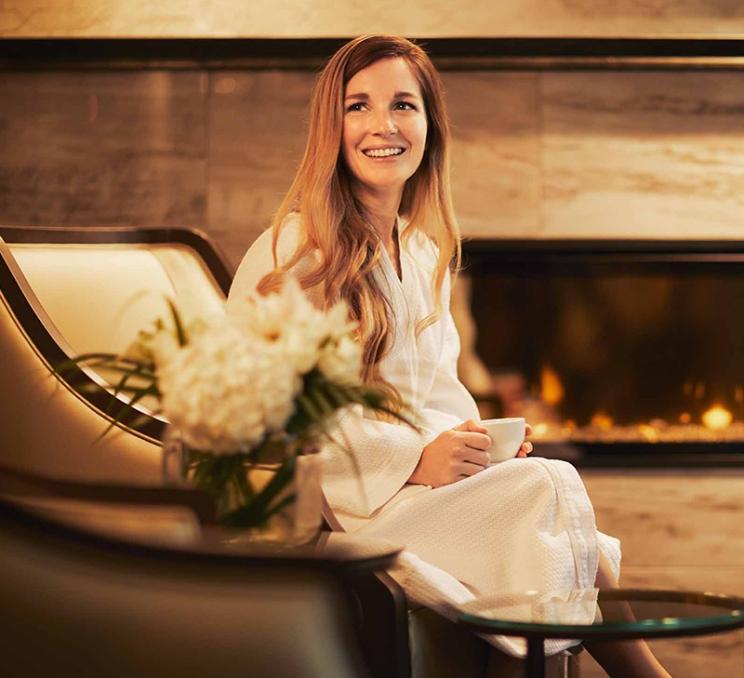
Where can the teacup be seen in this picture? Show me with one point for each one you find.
(507, 436)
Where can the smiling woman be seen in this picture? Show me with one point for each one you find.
(368, 219)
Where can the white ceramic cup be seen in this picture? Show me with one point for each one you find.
(507, 436)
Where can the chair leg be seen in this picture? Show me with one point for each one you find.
(382, 613)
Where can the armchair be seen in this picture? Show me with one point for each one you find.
(66, 291)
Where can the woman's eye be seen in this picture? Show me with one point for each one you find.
(405, 106)
(354, 107)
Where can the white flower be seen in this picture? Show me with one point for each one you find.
(227, 389)
(341, 360)
(289, 322)
(237, 379)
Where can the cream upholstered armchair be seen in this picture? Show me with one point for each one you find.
(68, 291)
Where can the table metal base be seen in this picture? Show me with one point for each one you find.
(535, 661)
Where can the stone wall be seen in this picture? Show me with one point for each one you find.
(317, 18)
(638, 154)
(680, 529)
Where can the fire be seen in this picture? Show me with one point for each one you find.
(551, 389)
(717, 418)
(649, 433)
(603, 421)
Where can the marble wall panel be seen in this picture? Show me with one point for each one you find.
(103, 148)
(643, 154)
(257, 137)
(257, 134)
(316, 18)
(727, 579)
(615, 154)
(679, 530)
(664, 518)
(697, 657)
(495, 152)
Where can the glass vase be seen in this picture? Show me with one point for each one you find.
(299, 518)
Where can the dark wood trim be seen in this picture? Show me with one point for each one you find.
(483, 255)
(19, 297)
(514, 53)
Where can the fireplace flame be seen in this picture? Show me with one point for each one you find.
(717, 418)
(551, 389)
(602, 421)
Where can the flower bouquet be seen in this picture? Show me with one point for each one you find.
(259, 390)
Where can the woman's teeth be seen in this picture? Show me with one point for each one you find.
(382, 152)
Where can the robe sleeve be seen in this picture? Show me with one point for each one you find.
(386, 455)
(448, 403)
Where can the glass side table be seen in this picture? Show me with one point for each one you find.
(601, 614)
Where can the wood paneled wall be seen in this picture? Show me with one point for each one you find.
(642, 154)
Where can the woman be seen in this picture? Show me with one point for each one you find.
(369, 219)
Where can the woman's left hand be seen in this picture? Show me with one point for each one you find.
(526, 445)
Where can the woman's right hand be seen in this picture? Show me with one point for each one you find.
(453, 455)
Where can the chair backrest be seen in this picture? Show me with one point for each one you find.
(100, 606)
(68, 291)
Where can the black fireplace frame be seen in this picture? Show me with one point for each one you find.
(517, 256)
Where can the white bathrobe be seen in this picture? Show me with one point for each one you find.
(522, 524)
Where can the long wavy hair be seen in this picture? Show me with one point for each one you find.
(335, 233)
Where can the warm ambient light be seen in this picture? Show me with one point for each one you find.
(717, 418)
(551, 389)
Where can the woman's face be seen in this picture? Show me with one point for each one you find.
(384, 126)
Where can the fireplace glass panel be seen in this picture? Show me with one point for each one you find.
(613, 347)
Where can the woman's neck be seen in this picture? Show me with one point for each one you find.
(382, 213)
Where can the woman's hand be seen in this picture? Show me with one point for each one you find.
(453, 455)
(526, 445)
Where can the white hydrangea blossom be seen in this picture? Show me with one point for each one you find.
(224, 390)
(340, 360)
(237, 379)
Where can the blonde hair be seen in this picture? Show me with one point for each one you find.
(334, 232)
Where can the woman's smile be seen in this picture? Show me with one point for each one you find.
(385, 152)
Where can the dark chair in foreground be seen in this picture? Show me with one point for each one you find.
(81, 604)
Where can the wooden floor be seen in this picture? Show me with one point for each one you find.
(681, 529)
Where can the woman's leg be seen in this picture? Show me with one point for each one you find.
(623, 658)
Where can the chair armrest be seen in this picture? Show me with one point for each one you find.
(20, 483)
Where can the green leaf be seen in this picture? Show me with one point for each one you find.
(181, 334)
(258, 511)
(125, 414)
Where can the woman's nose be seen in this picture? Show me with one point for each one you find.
(384, 124)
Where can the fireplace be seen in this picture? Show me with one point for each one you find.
(617, 352)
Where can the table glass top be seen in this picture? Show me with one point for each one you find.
(620, 613)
